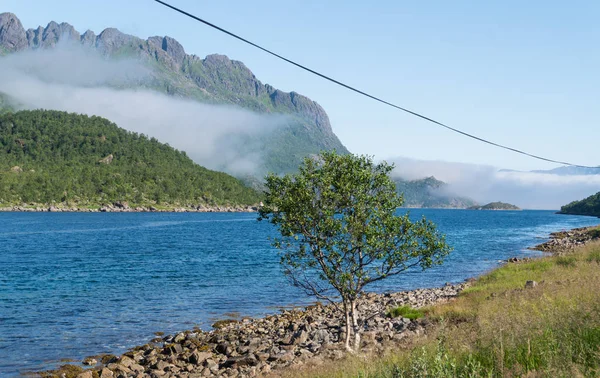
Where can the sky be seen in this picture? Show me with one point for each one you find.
(519, 73)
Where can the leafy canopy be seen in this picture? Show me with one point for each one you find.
(51, 156)
(339, 228)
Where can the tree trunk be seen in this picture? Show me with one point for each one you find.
(347, 315)
(355, 327)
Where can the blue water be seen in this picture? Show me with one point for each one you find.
(73, 285)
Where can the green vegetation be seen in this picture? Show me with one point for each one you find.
(495, 206)
(5, 104)
(587, 206)
(405, 312)
(499, 328)
(51, 157)
(340, 232)
(428, 192)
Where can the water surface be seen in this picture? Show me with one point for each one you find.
(79, 284)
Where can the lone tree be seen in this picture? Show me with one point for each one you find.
(340, 232)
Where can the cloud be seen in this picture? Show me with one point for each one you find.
(485, 184)
(75, 79)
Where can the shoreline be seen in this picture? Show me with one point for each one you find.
(309, 336)
(125, 208)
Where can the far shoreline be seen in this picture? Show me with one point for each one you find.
(125, 208)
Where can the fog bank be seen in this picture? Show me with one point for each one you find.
(75, 79)
(485, 184)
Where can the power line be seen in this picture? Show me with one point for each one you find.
(365, 93)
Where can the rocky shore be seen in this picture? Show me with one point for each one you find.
(253, 347)
(123, 207)
(564, 241)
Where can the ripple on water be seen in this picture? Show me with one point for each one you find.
(73, 285)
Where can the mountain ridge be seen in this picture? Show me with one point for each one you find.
(587, 206)
(214, 79)
(428, 192)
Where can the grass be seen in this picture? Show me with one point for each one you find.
(498, 328)
(405, 312)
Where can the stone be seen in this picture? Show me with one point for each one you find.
(86, 374)
(300, 338)
(235, 362)
(181, 336)
(90, 361)
(530, 284)
(198, 358)
(126, 361)
(106, 373)
(322, 337)
(172, 349)
(12, 34)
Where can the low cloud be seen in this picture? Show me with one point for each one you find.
(75, 79)
(485, 184)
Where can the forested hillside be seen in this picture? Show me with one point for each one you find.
(428, 192)
(51, 156)
(587, 206)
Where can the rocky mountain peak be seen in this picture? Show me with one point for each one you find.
(12, 33)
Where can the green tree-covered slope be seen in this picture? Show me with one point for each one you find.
(215, 79)
(427, 192)
(587, 206)
(57, 157)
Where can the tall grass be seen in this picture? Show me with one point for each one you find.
(498, 328)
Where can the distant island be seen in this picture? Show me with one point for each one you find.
(588, 206)
(495, 206)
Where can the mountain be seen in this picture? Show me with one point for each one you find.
(429, 192)
(51, 157)
(215, 79)
(587, 206)
(495, 206)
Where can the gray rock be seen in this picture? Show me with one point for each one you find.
(199, 357)
(90, 361)
(88, 39)
(12, 34)
(530, 284)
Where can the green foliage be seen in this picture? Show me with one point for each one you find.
(339, 228)
(50, 156)
(567, 261)
(405, 312)
(587, 206)
(594, 256)
(338, 214)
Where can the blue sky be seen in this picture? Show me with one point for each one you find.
(519, 73)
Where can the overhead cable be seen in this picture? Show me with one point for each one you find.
(518, 151)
